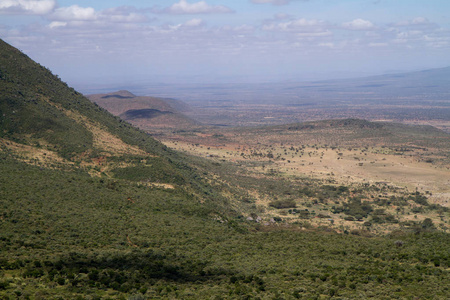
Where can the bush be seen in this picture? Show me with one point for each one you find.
(4, 285)
(279, 204)
(357, 209)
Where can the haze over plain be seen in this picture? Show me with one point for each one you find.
(217, 41)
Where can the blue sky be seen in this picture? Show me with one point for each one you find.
(214, 41)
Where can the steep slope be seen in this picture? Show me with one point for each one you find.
(45, 120)
(145, 112)
(36, 105)
(46, 123)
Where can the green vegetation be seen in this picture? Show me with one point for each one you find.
(288, 203)
(33, 101)
(66, 234)
(154, 170)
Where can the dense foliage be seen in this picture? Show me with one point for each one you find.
(67, 234)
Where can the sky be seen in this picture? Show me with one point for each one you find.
(223, 41)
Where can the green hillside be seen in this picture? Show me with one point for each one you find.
(93, 208)
(41, 111)
(33, 105)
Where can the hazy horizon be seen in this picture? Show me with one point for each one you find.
(114, 43)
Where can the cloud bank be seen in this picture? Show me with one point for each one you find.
(358, 24)
(27, 7)
(184, 38)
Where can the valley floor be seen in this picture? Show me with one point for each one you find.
(332, 156)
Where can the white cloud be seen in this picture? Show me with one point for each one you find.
(194, 23)
(241, 29)
(184, 7)
(131, 18)
(315, 34)
(56, 24)
(282, 16)
(432, 38)
(299, 25)
(123, 14)
(413, 22)
(74, 13)
(414, 27)
(358, 24)
(77, 16)
(29, 7)
(129, 36)
(420, 20)
(327, 45)
(437, 41)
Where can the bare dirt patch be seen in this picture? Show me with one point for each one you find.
(32, 154)
(103, 139)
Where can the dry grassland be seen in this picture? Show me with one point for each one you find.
(106, 143)
(103, 139)
(342, 165)
(31, 154)
(361, 161)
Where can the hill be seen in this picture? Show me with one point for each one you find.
(146, 113)
(94, 208)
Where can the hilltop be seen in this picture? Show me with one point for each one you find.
(147, 113)
(92, 207)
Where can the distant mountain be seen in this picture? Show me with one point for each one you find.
(426, 81)
(429, 87)
(432, 82)
(145, 112)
